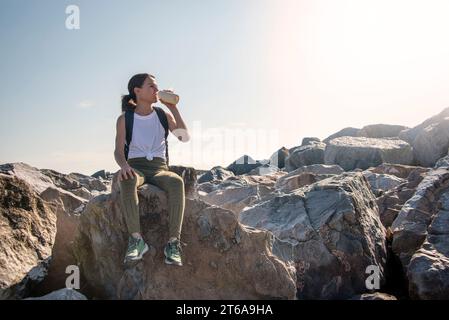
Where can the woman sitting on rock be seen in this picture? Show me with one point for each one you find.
(142, 154)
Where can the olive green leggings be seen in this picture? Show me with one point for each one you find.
(155, 172)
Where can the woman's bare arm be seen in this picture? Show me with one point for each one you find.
(177, 125)
(120, 140)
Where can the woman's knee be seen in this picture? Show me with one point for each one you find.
(175, 182)
(129, 183)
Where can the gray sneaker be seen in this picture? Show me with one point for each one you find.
(136, 249)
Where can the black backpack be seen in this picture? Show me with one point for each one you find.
(129, 121)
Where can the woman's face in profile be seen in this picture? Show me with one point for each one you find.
(149, 90)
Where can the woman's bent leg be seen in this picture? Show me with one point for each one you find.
(130, 201)
(174, 186)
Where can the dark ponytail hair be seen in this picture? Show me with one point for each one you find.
(136, 81)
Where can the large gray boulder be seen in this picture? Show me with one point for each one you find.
(56, 189)
(399, 170)
(217, 173)
(67, 195)
(420, 237)
(298, 181)
(27, 235)
(101, 173)
(312, 153)
(410, 135)
(430, 139)
(306, 175)
(411, 226)
(236, 193)
(432, 143)
(369, 131)
(428, 271)
(222, 259)
(442, 162)
(390, 201)
(381, 183)
(73, 181)
(233, 199)
(309, 140)
(232, 182)
(330, 229)
(360, 152)
(346, 132)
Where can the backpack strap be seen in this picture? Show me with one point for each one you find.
(164, 121)
(129, 122)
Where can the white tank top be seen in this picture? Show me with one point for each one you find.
(148, 138)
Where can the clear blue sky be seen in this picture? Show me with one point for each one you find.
(281, 69)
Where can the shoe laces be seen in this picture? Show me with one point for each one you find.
(177, 244)
(132, 243)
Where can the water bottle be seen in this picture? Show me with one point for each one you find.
(168, 97)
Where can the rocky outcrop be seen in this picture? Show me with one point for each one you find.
(430, 139)
(346, 132)
(420, 234)
(293, 225)
(233, 199)
(432, 143)
(312, 153)
(74, 181)
(381, 183)
(390, 201)
(332, 232)
(360, 152)
(411, 134)
(60, 192)
(399, 170)
(102, 174)
(236, 193)
(222, 259)
(27, 235)
(306, 175)
(442, 162)
(309, 140)
(38, 181)
(217, 173)
(68, 208)
(231, 182)
(369, 131)
(298, 181)
(410, 227)
(73, 184)
(428, 271)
